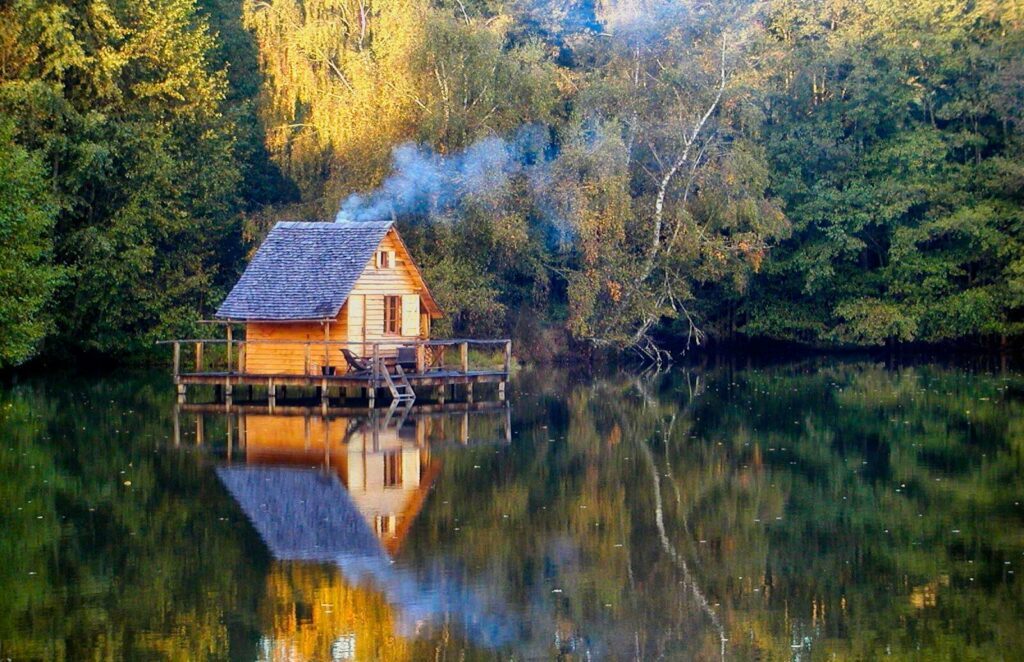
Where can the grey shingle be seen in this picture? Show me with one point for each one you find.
(303, 271)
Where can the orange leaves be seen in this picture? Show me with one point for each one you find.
(614, 290)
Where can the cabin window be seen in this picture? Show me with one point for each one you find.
(303, 612)
(392, 315)
(385, 259)
(393, 469)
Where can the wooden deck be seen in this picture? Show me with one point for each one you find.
(220, 364)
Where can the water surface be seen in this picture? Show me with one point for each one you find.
(815, 510)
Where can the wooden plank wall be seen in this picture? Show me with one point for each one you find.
(266, 357)
(376, 283)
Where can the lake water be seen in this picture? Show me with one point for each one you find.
(814, 510)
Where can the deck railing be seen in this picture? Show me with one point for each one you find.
(324, 358)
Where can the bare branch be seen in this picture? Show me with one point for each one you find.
(667, 179)
(465, 16)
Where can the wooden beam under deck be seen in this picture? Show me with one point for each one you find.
(436, 409)
(434, 378)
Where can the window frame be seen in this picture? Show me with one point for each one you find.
(395, 318)
(393, 468)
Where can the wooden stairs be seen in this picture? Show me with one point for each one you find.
(398, 384)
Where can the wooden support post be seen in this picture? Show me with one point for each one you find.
(199, 356)
(324, 395)
(327, 442)
(271, 394)
(464, 356)
(229, 346)
(508, 356)
(228, 393)
(241, 356)
(177, 426)
(231, 435)
(181, 394)
(469, 392)
(177, 360)
(372, 390)
(501, 391)
(327, 347)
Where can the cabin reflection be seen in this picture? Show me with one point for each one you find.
(386, 465)
(333, 500)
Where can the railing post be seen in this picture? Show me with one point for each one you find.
(229, 346)
(177, 360)
(374, 376)
(508, 356)
(199, 356)
(464, 356)
(177, 426)
(241, 356)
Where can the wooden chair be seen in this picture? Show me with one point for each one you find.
(355, 363)
(407, 358)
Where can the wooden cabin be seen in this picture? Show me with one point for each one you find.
(337, 282)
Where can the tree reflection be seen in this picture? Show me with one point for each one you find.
(813, 510)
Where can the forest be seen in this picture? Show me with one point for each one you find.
(580, 175)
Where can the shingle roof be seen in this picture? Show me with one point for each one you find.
(303, 271)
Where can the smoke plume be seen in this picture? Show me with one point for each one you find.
(424, 182)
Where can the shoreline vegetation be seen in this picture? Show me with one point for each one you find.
(589, 177)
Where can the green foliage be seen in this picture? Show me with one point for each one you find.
(125, 110)
(469, 297)
(891, 138)
(830, 173)
(27, 274)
